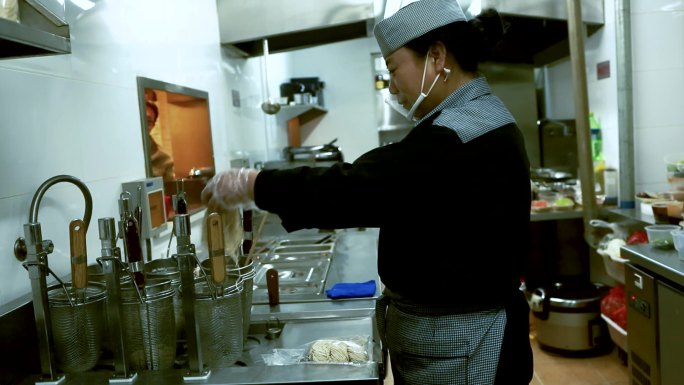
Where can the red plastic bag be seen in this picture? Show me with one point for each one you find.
(614, 306)
(620, 317)
(638, 236)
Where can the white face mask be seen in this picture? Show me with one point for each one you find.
(392, 101)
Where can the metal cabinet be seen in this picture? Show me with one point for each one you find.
(670, 324)
(655, 315)
(642, 325)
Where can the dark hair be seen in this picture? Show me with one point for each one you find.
(470, 42)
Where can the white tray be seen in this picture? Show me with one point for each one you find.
(614, 267)
(617, 334)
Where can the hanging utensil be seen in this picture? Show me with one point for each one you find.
(268, 106)
(79, 259)
(216, 251)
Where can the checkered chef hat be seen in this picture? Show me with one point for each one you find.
(415, 20)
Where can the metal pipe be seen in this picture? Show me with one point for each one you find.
(623, 48)
(36, 263)
(186, 265)
(111, 267)
(38, 196)
(576, 33)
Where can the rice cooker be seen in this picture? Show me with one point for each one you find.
(567, 318)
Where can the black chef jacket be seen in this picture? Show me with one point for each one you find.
(452, 201)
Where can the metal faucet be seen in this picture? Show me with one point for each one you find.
(35, 250)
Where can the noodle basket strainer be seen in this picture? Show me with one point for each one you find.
(246, 275)
(97, 275)
(219, 318)
(77, 325)
(149, 328)
(167, 268)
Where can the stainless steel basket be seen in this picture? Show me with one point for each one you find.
(77, 325)
(167, 268)
(220, 321)
(149, 326)
(95, 274)
(246, 275)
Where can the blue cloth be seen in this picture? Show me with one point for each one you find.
(351, 290)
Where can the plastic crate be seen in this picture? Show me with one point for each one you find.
(617, 334)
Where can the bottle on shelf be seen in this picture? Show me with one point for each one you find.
(379, 82)
(597, 153)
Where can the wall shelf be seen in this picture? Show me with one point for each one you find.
(305, 112)
(295, 116)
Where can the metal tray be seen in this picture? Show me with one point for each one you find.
(294, 273)
(264, 246)
(308, 240)
(303, 249)
(297, 253)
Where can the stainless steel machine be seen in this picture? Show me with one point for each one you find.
(655, 319)
(654, 281)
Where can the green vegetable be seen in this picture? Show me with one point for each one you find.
(564, 202)
(662, 243)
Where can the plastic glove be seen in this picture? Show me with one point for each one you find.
(229, 190)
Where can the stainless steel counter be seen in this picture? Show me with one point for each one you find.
(339, 319)
(354, 260)
(555, 215)
(664, 263)
(303, 321)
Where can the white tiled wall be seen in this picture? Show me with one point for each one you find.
(658, 54)
(78, 114)
(658, 87)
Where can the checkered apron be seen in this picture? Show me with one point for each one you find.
(440, 346)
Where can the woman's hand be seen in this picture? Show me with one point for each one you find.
(231, 189)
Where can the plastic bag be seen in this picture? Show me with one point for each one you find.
(283, 357)
(614, 306)
(349, 350)
(338, 350)
(636, 237)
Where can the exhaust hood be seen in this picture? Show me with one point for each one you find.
(292, 24)
(42, 30)
(537, 32)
